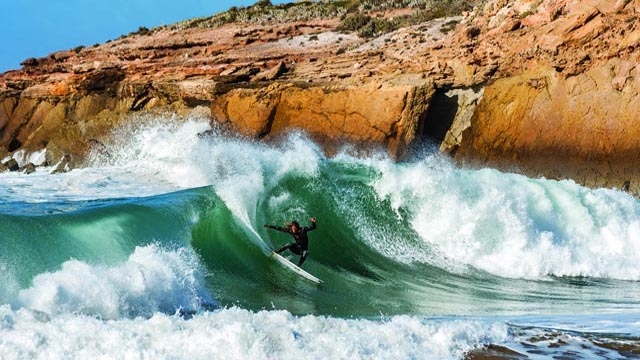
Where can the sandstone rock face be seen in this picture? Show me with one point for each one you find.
(569, 111)
(375, 114)
(544, 87)
(582, 127)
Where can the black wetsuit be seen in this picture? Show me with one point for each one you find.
(301, 245)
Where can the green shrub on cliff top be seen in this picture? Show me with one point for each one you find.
(369, 22)
(265, 12)
(358, 19)
(366, 26)
(450, 6)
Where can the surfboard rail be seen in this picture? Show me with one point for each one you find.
(296, 269)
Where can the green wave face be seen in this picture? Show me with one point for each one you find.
(44, 236)
(366, 249)
(357, 278)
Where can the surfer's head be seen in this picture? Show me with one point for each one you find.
(293, 226)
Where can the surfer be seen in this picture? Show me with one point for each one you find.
(301, 244)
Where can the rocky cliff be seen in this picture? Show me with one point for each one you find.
(545, 87)
(566, 106)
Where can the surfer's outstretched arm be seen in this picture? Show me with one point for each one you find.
(313, 225)
(279, 228)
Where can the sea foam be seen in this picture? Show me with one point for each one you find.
(152, 280)
(513, 226)
(240, 334)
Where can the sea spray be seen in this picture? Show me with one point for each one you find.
(9, 286)
(514, 226)
(158, 148)
(152, 280)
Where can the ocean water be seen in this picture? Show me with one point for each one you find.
(157, 250)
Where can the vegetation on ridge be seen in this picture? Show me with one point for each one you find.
(365, 17)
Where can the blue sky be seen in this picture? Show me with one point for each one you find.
(36, 28)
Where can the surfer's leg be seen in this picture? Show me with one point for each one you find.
(285, 247)
(294, 248)
(303, 257)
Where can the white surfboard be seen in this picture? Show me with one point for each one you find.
(282, 260)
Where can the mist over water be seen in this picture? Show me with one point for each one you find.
(159, 240)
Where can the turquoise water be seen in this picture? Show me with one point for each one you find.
(162, 243)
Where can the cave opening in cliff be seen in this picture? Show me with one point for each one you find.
(440, 115)
(14, 144)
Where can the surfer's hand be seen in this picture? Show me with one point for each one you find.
(313, 219)
(265, 225)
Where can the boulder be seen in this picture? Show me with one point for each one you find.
(12, 165)
(29, 168)
(63, 165)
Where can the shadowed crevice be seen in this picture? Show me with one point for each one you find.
(440, 116)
